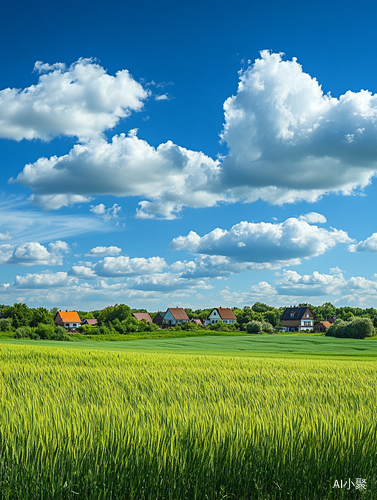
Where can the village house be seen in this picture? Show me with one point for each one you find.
(197, 322)
(296, 319)
(223, 314)
(141, 316)
(321, 326)
(91, 322)
(67, 319)
(158, 319)
(175, 315)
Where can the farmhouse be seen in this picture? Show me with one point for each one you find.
(91, 322)
(141, 316)
(175, 315)
(296, 319)
(223, 314)
(158, 319)
(321, 326)
(67, 319)
(197, 322)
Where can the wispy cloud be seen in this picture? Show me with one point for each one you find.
(25, 224)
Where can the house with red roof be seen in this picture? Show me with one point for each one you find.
(175, 315)
(141, 316)
(223, 314)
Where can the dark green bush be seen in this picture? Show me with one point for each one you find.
(45, 331)
(23, 332)
(359, 328)
(5, 324)
(254, 327)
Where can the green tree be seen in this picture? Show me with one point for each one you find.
(41, 316)
(20, 314)
(110, 313)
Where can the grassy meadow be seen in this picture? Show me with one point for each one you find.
(124, 424)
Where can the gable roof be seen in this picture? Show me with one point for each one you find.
(326, 324)
(298, 313)
(224, 312)
(141, 316)
(69, 316)
(178, 313)
(90, 321)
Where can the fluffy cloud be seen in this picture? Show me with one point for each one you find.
(106, 213)
(315, 284)
(356, 290)
(368, 245)
(292, 287)
(102, 251)
(166, 282)
(272, 243)
(289, 141)
(42, 280)
(82, 272)
(82, 101)
(128, 166)
(33, 253)
(313, 218)
(5, 236)
(117, 267)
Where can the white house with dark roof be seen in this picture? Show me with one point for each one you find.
(296, 319)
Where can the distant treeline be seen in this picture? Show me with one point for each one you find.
(21, 315)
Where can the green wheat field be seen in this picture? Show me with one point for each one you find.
(101, 424)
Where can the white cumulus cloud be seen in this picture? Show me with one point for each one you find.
(42, 280)
(128, 166)
(5, 236)
(116, 267)
(81, 100)
(106, 213)
(288, 141)
(102, 251)
(368, 245)
(274, 243)
(33, 253)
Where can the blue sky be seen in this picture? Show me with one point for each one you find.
(164, 154)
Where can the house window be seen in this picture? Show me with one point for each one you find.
(292, 315)
(307, 315)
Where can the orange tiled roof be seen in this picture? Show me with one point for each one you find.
(69, 316)
(327, 324)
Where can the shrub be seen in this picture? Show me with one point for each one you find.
(59, 333)
(45, 331)
(189, 326)
(23, 332)
(359, 328)
(5, 324)
(254, 326)
(85, 329)
(267, 327)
